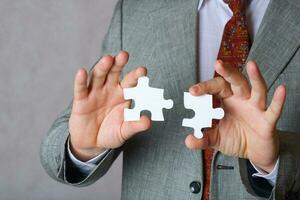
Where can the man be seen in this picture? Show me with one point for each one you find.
(255, 146)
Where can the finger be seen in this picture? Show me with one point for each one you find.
(100, 71)
(274, 111)
(114, 74)
(259, 86)
(80, 85)
(238, 83)
(130, 80)
(193, 143)
(216, 86)
(132, 128)
(210, 139)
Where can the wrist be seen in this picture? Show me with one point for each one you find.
(265, 168)
(265, 165)
(84, 154)
(268, 163)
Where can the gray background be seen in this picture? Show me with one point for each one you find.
(42, 44)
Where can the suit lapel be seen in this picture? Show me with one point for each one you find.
(277, 39)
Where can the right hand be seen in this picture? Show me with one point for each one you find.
(97, 118)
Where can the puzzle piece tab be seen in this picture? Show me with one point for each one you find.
(204, 112)
(145, 98)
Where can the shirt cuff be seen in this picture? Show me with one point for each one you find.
(270, 177)
(88, 166)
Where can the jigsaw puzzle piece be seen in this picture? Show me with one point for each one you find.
(146, 98)
(197, 126)
(204, 113)
(218, 113)
(131, 115)
(157, 110)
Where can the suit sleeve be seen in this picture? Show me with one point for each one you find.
(53, 153)
(287, 185)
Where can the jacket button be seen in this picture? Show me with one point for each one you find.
(195, 187)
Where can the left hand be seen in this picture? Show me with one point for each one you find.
(248, 129)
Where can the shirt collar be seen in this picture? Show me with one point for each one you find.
(201, 2)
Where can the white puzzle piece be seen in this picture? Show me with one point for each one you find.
(204, 113)
(145, 98)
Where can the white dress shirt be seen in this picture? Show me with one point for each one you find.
(213, 16)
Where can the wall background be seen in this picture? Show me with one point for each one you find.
(42, 44)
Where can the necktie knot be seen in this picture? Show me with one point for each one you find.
(235, 44)
(235, 5)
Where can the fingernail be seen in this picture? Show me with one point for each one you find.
(194, 89)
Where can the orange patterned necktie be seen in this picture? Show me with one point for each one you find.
(234, 50)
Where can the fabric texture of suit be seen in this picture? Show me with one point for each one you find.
(156, 165)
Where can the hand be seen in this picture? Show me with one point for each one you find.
(248, 129)
(96, 122)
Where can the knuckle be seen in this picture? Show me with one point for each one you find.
(226, 91)
(220, 81)
(273, 111)
(97, 71)
(203, 86)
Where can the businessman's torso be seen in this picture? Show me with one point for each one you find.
(162, 36)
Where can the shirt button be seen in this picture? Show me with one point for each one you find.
(195, 187)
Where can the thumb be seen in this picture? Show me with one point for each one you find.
(132, 128)
(209, 140)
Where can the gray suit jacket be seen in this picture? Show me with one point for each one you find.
(162, 36)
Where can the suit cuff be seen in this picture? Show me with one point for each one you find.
(270, 177)
(88, 166)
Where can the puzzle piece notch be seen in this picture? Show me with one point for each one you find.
(204, 113)
(146, 98)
